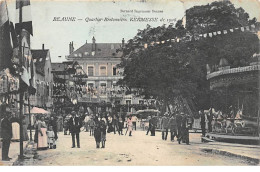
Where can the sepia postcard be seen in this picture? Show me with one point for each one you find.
(129, 82)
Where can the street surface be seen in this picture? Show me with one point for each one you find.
(140, 149)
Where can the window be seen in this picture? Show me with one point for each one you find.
(103, 71)
(141, 102)
(103, 84)
(103, 88)
(90, 71)
(90, 85)
(114, 71)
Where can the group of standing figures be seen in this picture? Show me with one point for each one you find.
(98, 126)
(176, 123)
(45, 133)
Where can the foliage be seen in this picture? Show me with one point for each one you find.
(165, 71)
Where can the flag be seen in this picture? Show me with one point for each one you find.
(26, 16)
(225, 31)
(184, 21)
(219, 32)
(210, 34)
(205, 35)
(247, 28)
(26, 54)
(5, 41)
(242, 29)
(215, 33)
(231, 30)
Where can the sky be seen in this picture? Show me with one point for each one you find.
(56, 35)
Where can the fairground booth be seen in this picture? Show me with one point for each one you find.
(235, 101)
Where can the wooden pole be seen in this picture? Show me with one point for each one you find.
(20, 83)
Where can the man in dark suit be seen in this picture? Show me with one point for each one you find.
(202, 122)
(6, 126)
(178, 122)
(74, 126)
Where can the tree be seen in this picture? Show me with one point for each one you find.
(166, 71)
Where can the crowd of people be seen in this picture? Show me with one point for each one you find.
(177, 124)
(98, 125)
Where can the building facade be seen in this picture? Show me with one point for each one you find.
(43, 78)
(99, 61)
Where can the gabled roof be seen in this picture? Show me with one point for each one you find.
(39, 57)
(102, 50)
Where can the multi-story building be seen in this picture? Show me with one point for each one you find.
(99, 61)
(43, 78)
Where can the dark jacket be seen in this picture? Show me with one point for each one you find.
(178, 120)
(53, 123)
(184, 122)
(172, 124)
(6, 128)
(75, 128)
(202, 119)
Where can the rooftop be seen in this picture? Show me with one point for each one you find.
(98, 50)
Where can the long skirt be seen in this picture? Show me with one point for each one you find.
(59, 126)
(15, 131)
(42, 139)
(97, 135)
(25, 133)
(130, 128)
(103, 136)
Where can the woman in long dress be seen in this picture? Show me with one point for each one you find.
(42, 136)
(130, 125)
(25, 133)
(60, 124)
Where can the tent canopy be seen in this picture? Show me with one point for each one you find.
(36, 110)
(148, 111)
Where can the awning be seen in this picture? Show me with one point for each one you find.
(36, 110)
(148, 111)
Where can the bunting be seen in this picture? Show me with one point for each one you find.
(205, 35)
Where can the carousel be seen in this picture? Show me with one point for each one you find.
(235, 99)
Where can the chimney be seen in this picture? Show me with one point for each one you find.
(42, 46)
(72, 47)
(86, 41)
(93, 44)
(123, 42)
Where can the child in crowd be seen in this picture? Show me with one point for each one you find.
(51, 138)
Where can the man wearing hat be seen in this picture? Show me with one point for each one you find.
(184, 129)
(164, 124)
(6, 135)
(74, 126)
(178, 123)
